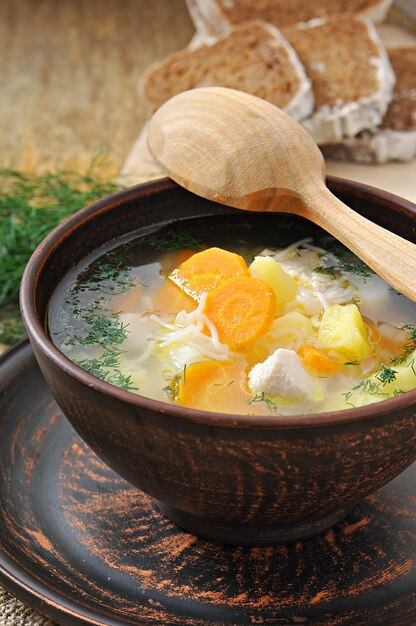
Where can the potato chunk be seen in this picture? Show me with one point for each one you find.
(343, 331)
(274, 275)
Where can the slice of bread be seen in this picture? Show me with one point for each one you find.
(252, 57)
(351, 75)
(395, 140)
(213, 17)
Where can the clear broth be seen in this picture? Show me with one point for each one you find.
(102, 316)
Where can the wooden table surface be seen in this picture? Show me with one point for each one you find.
(69, 76)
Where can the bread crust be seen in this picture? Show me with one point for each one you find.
(212, 18)
(263, 47)
(333, 121)
(395, 140)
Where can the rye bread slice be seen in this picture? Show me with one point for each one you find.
(252, 57)
(213, 17)
(351, 75)
(395, 139)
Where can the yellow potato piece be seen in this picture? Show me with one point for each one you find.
(405, 378)
(288, 331)
(343, 331)
(274, 275)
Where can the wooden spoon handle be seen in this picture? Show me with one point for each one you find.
(390, 256)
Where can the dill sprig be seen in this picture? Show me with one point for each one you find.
(102, 327)
(386, 375)
(31, 206)
(111, 277)
(172, 390)
(106, 367)
(373, 385)
(328, 270)
(262, 397)
(346, 261)
(408, 347)
(175, 240)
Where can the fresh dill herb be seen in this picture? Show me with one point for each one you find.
(411, 330)
(106, 367)
(261, 397)
(103, 330)
(350, 363)
(102, 326)
(371, 387)
(329, 270)
(172, 390)
(111, 277)
(175, 240)
(347, 395)
(336, 248)
(408, 347)
(375, 384)
(355, 267)
(31, 206)
(386, 375)
(347, 262)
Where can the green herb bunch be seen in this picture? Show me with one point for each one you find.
(30, 207)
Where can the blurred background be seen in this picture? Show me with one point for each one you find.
(69, 79)
(69, 76)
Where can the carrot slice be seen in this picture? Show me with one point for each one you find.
(213, 386)
(204, 270)
(194, 380)
(314, 359)
(242, 309)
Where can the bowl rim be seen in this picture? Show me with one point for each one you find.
(39, 337)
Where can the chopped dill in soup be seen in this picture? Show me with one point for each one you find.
(237, 325)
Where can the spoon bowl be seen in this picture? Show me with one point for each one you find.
(239, 150)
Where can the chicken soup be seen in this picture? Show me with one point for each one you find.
(237, 320)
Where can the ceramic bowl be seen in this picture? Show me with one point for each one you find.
(238, 479)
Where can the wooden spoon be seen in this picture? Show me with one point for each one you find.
(239, 150)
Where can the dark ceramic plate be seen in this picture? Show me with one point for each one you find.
(81, 545)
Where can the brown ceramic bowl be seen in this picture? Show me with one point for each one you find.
(237, 479)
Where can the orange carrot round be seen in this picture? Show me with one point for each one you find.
(242, 309)
(204, 270)
(213, 386)
(314, 359)
(194, 380)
